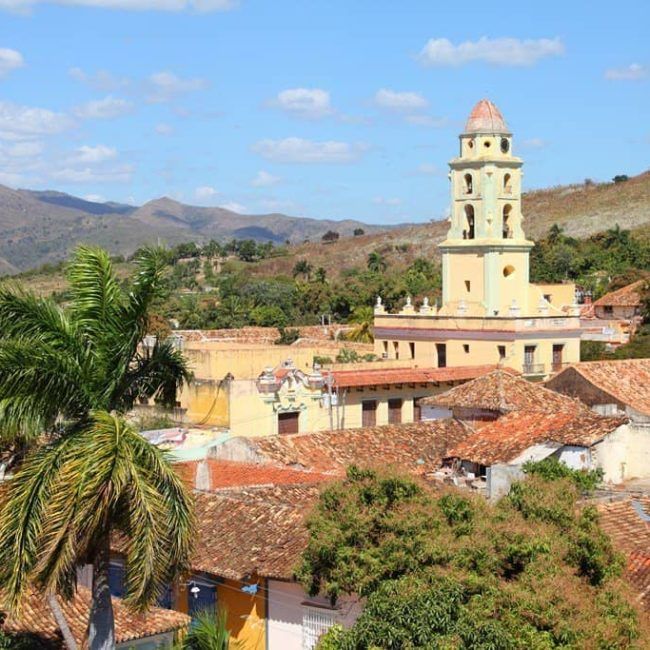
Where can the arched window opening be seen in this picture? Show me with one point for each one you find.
(508, 271)
(468, 184)
(507, 185)
(468, 233)
(507, 226)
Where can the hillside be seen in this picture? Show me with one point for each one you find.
(41, 227)
(581, 210)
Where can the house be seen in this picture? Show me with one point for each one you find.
(289, 399)
(627, 521)
(621, 386)
(615, 317)
(417, 447)
(36, 626)
(490, 312)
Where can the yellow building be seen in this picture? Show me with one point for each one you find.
(490, 312)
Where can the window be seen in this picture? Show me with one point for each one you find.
(502, 351)
(558, 350)
(368, 413)
(385, 346)
(201, 596)
(394, 411)
(396, 349)
(507, 227)
(507, 187)
(116, 575)
(441, 350)
(487, 144)
(466, 347)
(412, 349)
(315, 622)
(468, 233)
(508, 270)
(468, 285)
(547, 297)
(468, 184)
(288, 422)
(609, 310)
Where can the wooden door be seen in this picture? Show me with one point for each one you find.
(417, 409)
(288, 422)
(394, 411)
(368, 413)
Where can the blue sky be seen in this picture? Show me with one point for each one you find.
(330, 108)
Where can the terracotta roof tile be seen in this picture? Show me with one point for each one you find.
(415, 447)
(383, 376)
(502, 391)
(628, 296)
(226, 474)
(485, 118)
(252, 531)
(622, 521)
(626, 380)
(37, 619)
(508, 437)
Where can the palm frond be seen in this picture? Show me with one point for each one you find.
(159, 372)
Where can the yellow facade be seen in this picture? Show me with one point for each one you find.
(245, 613)
(490, 312)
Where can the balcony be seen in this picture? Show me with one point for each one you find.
(558, 366)
(533, 369)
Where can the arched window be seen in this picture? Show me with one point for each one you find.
(507, 187)
(468, 233)
(507, 226)
(468, 184)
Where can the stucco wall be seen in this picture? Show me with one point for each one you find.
(286, 601)
(246, 613)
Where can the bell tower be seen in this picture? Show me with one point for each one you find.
(485, 258)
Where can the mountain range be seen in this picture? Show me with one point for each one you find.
(37, 227)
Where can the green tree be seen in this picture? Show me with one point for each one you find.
(376, 262)
(67, 376)
(363, 318)
(358, 232)
(209, 631)
(302, 267)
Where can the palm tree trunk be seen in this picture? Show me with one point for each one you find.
(61, 621)
(101, 625)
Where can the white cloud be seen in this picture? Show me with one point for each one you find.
(382, 200)
(427, 120)
(205, 192)
(311, 103)
(533, 143)
(632, 72)
(25, 122)
(26, 149)
(104, 109)
(299, 150)
(495, 51)
(95, 198)
(200, 6)
(119, 174)
(164, 86)
(400, 101)
(10, 60)
(264, 179)
(101, 80)
(164, 129)
(233, 206)
(93, 155)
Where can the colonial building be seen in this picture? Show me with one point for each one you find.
(490, 312)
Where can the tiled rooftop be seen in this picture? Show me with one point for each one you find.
(231, 474)
(628, 296)
(36, 619)
(626, 380)
(485, 118)
(415, 447)
(623, 522)
(252, 530)
(503, 391)
(266, 335)
(508, 437)
(391, 376)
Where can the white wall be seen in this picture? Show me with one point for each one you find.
(575, 457)
(435, 413)
(285, 611)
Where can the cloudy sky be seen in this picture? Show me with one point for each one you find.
(322, 108)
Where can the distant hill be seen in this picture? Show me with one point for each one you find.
(581, 210)
(41, 227)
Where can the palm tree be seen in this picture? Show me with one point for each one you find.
(209, 631)
(376, 262)
(363, 318)
(67, 376)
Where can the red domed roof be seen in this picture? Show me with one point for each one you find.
(485, 118)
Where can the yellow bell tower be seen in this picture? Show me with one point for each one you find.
(485, 258)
